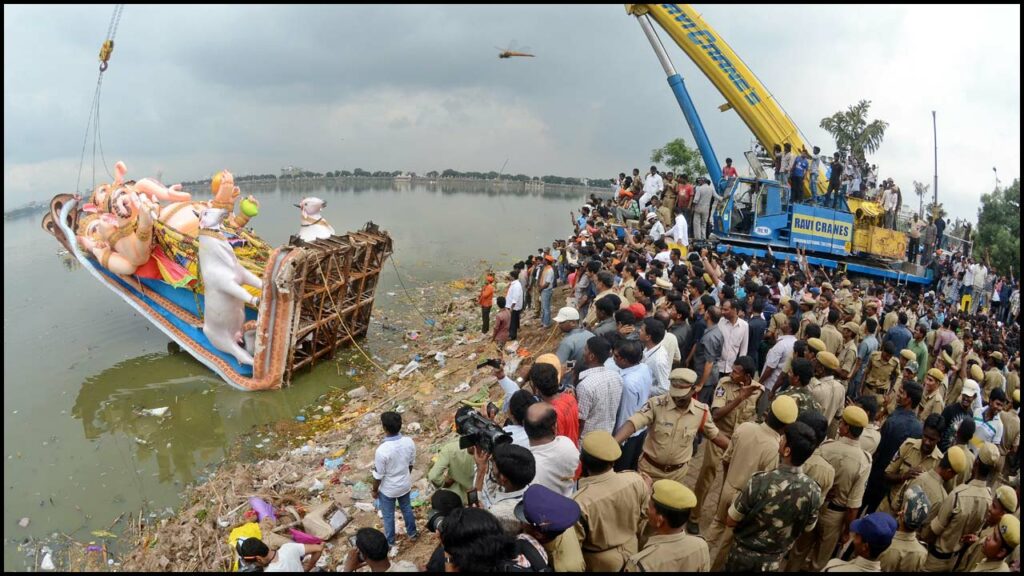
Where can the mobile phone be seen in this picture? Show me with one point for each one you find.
(472, 498)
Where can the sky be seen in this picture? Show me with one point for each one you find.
(194, 89)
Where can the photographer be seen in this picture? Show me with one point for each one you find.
(475, 541)
(453, 468)
(501, 479)
(442, 504)
(371, 549)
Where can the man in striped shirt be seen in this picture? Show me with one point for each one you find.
(599, 390)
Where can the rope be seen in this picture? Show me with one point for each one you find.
(344, 325)
(428, 322)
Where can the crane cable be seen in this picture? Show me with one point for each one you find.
(106, 49)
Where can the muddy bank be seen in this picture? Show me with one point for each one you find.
(323, 458)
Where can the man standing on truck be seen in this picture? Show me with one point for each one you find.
(796, 178)
(815, 170)
(787, 162)
(834, 180)
(702, 208)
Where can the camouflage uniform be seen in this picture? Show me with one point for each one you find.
(804, 400)
(772, 510)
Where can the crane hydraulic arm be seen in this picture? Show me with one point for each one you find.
(743, 92)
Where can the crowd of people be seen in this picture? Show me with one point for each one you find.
(852, 425)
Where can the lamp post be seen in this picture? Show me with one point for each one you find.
(935, 187)
(997, 177)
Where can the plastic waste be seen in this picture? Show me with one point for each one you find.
(364, 506)
(412, 335)
(409, 369)
(440, 359)
(24, 522)
(158, 412)
(361, 491)
(352, 371)
(316, 486)
(333, 463)
(357, 393)
(461, 388)
(338, 520)
(414, 428)
(262, 508)
(47, 563)
(395, 369)
(300, 418)
(301, 537)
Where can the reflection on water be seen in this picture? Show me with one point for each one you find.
(80, 364)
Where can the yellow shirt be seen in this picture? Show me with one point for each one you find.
(612, 505)
(905, 554)
(679, 552)
(962, 512)
(670, 431)
(753, 448)
(852, 465)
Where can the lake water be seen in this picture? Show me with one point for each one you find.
(78, 361)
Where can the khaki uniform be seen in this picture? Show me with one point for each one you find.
(878, 375)
(1011, 439)
(870, 438)
(612, 505)
(843, 294)
(724, 393)
(806, 319)
(962, 512)
(671, 553)
(858, 564)
(991, 566)
(932, 403)
(775, 325)
(831, 394)
(993, 379)
(965, 476)
(1012, 383)
(670, 433)
(848, 356)
(824, 475)
(934, 488)
(958, 350)
(852, 465)
(564, 554)
(832, 338)
(889, 321)
(974, 554)
(753, 448)
(908, 457)
(905, 554)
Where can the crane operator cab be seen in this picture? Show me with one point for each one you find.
(753, 207)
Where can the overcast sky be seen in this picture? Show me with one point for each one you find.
(193, 89)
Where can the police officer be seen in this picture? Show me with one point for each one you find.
(672, 421)
(882, 369)
(670, 549)
(753, 448)
(852, 465)
(1005, 502)
(828, 391)
(830, 333)
(612, 505)
(932, 402)
(849, 361)
(999, 545)
(906, 554)
(872, 535)
(549, 518)
(914, 456)
(807, 317)
(734, 401)
(774, 507)
(933, 482)
(962, 512)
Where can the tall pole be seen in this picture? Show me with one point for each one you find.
(935, 189)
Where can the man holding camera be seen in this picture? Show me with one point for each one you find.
(501, 479)
(453, 468)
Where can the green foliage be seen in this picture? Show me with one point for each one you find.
(998, 233)
(680, 158)
(852, 131)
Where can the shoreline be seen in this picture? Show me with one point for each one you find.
(343, 425)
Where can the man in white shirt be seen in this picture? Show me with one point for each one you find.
(657, 228)
(287, 558)
(653, 185)
(501, 479)
(776, 362)
(555, 457)
(980, 275)
(702, 197)
(392, 465)
(652, 332)
(736, 336)
(514, 302)
(788, 158)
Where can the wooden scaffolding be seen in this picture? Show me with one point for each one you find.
(334, 285)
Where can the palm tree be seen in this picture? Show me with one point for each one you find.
(853, 132)
(921, 190)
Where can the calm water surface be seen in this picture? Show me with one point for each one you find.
(78, 361)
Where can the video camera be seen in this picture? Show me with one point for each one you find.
(480, 432)
(492, 362)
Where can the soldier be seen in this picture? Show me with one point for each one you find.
(753, 448)
(830, 333)
(1004, 503)
(872, 536)
(612, 505)
(823, 475)
(673, 421)
(906, 554)
(671, 549)
(962, 512)
(999, 545)
(933, 482)
(932, 402)
(914, 457)
(774, 507)
(801, 372)
(735, 400)
(882, 369)
(852, 465)
(828, 391)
